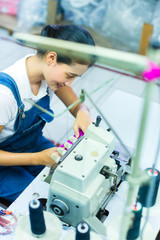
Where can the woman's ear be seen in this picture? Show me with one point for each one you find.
(51, 58)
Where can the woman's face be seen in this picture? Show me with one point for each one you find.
(58, 75)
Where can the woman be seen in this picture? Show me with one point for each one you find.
(24, 151)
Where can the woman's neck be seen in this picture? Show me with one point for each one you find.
(34, 69)
(34, 72)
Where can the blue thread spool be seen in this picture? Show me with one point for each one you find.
(144, 189)
(133, 232)
(82, 231)
(36, 216)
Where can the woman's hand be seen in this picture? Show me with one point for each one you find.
(46, 158)
(82, 121)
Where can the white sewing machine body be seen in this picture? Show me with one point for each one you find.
(83, 181)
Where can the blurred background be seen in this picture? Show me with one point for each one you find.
(114, 24)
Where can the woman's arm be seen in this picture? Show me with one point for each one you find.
(68, 96)
(22, 159)
(19, 159)
(79, 111)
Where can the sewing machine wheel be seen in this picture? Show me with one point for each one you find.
(59, 207)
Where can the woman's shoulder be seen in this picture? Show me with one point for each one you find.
(8, 105)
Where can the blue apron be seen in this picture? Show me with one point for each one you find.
(27, 138)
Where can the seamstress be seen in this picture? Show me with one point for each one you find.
(24, 151)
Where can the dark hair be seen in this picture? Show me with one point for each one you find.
(69, 32)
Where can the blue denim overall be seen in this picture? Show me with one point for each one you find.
(27, 138)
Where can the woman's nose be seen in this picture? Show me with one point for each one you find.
(68, 83)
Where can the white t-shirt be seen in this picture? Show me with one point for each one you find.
(8, 104)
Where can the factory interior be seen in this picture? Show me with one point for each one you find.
(79, 120)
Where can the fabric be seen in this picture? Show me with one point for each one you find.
(14, 180)
(27, 137)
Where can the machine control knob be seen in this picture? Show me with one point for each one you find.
(68, 145)
(78, 157)
(55, 157)
(61, 151)
(98, 120)
(73, 139)
(59, 207)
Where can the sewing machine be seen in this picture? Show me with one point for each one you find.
(85, 179)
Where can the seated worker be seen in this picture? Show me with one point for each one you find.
(24, 151)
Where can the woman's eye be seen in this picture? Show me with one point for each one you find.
(70, 77)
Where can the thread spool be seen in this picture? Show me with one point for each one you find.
(36, 216)
(73, 234)
(116, 224)
(27, 230)
(144, 189)
(154, 210)
(133, 232)
(82, 231)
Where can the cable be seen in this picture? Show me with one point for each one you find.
(101, 114)
(70, 106)
(6, 224)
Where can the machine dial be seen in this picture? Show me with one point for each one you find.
(59, 207)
